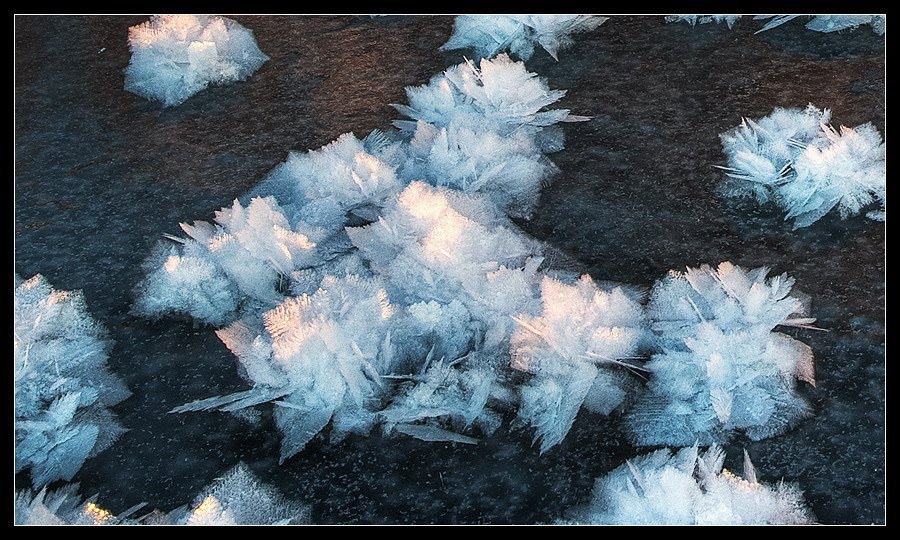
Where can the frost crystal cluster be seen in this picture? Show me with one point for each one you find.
(828, 23)
(691, 488)
(693, 20)
(175, 56)
(484, 129)
(236, 498)
(721, 367)
(578, 348)
(63, 387)
(518, 34)
(796, 158)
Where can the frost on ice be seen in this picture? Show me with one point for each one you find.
(578, 349)
(483, 129)
(691, 488)
(828, 23)
(721, 367)
(236, 498)
(319, 357)
(693, 20)
(175, 56)
(809, 168)
(239, 498)
(63, 386)
(491, 34)
(294, 221)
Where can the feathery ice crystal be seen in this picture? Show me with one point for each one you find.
(805, 165)
(722, 367)
(63, 387)
(577, 349)
(693, 20)
(828, 23)
(175, 56)
(691, 488)
(491, 34)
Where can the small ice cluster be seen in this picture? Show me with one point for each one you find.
(518, 34)
(691, 488)
(484, 129)
(721, 366)
(693, 20)
(175, 56)
(828, 23)
(576, 348)
(796, 158)
(63, 386)
(236, 498)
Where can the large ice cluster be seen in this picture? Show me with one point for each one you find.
(518, 34)
(796, 158)
(721, 366)
(62, 506)
(175, 56)
(828, 23)
(691, 487)
(63, 386)
(578, 349)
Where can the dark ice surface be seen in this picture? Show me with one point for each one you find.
(101, 174)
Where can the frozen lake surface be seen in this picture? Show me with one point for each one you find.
(102, 174)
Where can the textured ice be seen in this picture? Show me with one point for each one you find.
(490, 34)
(721, 367)
(693, 20)
(175, 56)
(794, 157)
(63, 387)
(62, 506)
(578, 349)
(828, 23)
(691, 488)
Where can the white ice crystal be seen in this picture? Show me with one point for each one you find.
(491, 34)
(509, 169)
(721, 367)
(239, 498)
(436, 244)
(828, 23)
(321, 354)
(63, 386)
(175, 56)
(578, 348)
(445, 398)
(691, 488)
(63, 506)
(805, 165)
(704, 19)
(247, 253)
(500, 93)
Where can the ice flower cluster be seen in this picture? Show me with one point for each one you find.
(828, 23)
(809, 168)
(721, 367)
(175, 56)
(489, 35)
(693, 20)
(578, 348)
(236, 498)
(63, 386)
(690, 487)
